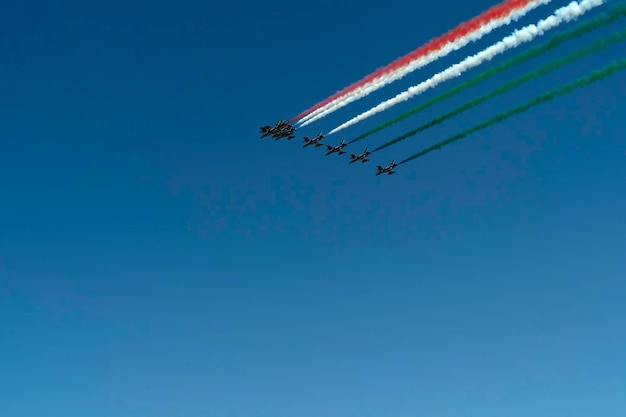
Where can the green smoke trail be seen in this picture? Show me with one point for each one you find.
(609, 70)
(583, 52)
(617, 12)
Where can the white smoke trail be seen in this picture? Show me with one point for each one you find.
(565, 14)
(388, 78)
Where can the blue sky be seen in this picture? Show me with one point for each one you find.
(158, 259)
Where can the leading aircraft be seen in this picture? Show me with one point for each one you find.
(284, 130)
(284, 133)
(270, 130)
(388, 170)
(281, 130)
(336, 149)
(315, 141)
(362, 157)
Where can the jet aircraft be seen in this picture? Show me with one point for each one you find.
(336, 149)
(270, 130)
(388, 170)
(284, 134)
(284, 130)
(281, 130)
(266, 131)
(315, 141)
(362, 157)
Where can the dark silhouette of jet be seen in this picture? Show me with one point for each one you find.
(281, 130)
(270, 130)
(336, 149)
(315, 141)
(388, 170)
(362, 157)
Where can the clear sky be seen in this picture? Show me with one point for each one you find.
(158, 259)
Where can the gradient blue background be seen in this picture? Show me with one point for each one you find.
(158, 259)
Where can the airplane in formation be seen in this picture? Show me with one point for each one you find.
(362, 157)
(388, 170)
(281, 126)
(315, 141)
(336, 149)
(281, 130)
(284, 129)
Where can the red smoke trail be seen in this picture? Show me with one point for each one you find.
(499, 11)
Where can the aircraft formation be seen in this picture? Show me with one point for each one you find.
(507, 12)
(283, 129)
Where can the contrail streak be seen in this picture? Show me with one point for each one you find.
(616, 13)
(583, 52)
(526, 34)
(598, 75)
(470, 31)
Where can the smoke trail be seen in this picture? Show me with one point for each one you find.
(617, 12)
(598, 75)
(470, 31)
(497, 12)
(526, 34)
(583, 52)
